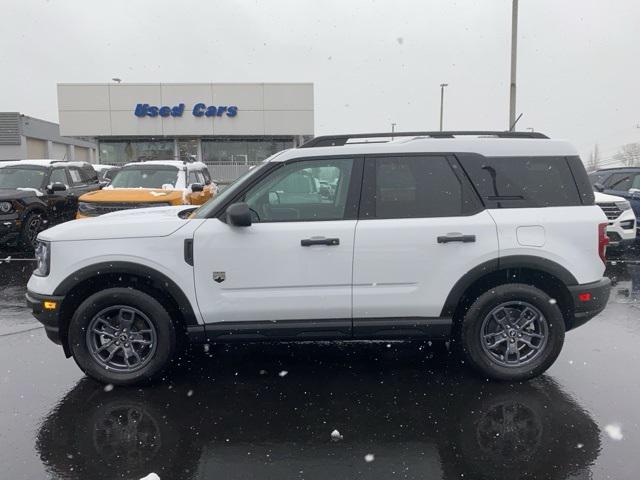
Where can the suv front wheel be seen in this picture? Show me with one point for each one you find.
(122, 336)
(512, 332)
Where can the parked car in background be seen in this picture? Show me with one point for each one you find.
(621, 229)
(493, 242)
(106, 172)
(36, 194)
(623, 182)
(154, 183)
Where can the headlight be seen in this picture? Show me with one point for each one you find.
(6, 207)
(43, 259)
(86, 208)
(623, 205)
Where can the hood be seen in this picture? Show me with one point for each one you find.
(606, 198)
(16, 193)
(133, 195)
(136, 223)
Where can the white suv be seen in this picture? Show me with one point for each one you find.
(622, 221)
(491, 240)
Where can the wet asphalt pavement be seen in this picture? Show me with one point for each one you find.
(402, 409)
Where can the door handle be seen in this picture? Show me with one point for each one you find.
(456, 237)
(307, 242)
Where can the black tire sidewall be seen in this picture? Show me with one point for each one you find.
(166, 337)
(472, 324)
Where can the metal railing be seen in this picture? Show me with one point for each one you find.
(228, 171)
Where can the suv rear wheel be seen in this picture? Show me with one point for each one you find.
(122, 336)
(512, 332)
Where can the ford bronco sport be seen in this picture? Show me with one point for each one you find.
(153, 183)
(489, 239)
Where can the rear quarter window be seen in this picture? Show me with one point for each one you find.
(524, 182)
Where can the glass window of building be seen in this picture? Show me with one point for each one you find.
(121, 152)
(241, 151)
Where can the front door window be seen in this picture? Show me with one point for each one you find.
(306, 190)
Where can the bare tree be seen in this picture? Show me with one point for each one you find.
(629, 155)
(594, 159)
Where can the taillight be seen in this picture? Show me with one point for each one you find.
(603, 241)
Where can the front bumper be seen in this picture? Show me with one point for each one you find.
(9, 230)
(49, 317)
(589, 299)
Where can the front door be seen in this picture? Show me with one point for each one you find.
(295, 261)
(421, 229)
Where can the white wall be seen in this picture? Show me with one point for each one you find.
(263, 109)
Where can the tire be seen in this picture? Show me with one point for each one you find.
(31, 226)
(497, 358)
(150, 337)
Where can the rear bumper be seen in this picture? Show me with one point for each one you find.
(49, 318)
(585, 309)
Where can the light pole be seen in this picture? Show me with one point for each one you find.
(393, 129)
(442, 85)
(514, 58)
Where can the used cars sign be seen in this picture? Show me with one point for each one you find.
(198, 110)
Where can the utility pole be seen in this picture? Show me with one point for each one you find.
(514, 57)
(442, 85)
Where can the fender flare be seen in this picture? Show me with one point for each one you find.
(157, 278)
(503, 263)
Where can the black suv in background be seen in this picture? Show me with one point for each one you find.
(37, 194)
(621, 181)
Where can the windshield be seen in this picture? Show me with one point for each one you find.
(229, 192)
(12, 177)
(145, 177)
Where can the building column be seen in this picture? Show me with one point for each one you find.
(200, 150)
(92, 155)
(49, 153)
(71, 152)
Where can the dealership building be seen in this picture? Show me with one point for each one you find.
(23, 137)
(229, 126)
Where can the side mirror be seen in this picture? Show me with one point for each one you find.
(56, 187)
(598, 187)
(634, 192)
(197, 187)
(239, 215)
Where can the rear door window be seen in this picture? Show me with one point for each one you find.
(414, 187)
(76, 178)
(522, 182)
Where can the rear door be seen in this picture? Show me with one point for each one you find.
(421, 228)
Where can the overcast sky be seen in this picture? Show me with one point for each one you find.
(372, 62)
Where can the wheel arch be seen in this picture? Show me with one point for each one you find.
(79, 285)
(541, 273)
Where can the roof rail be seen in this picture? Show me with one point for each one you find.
(339, 140)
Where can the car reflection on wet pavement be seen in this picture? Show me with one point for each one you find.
(402, 409)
